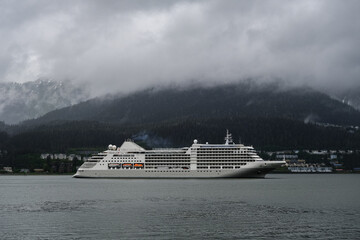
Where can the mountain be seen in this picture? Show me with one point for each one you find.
(263, 133)
(351, 97)
(266, 116)
(21, 101)
(225, 101)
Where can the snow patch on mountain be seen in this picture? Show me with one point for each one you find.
(22, 101)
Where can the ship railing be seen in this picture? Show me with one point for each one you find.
(166, 148)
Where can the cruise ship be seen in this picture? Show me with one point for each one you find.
(228, 160)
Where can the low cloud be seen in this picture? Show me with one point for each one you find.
(121, 46)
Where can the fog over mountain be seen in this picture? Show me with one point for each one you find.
(123, 46)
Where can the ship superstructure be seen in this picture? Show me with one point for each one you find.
(197, 161)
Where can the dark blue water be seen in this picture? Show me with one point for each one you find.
(283, 206)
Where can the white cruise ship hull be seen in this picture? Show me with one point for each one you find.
(257, 170)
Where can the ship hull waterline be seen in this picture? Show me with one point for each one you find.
(139, 173)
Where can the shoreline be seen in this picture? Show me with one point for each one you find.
(34, 174)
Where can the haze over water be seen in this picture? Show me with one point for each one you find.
(281, 206)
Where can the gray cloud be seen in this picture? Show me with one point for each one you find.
(121, 46)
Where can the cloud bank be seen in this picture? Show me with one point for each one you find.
(120, 46)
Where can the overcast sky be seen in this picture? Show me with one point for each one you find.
(126, 45)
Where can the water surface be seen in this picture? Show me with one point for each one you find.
(281, 206)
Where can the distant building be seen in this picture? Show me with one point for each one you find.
(302, 167)
(8, 169)
(319, 152)
(310, 169)
(72, 156)
(287, 156)
(46, 155)
(60, 156)
(336, 164)
(24, 170)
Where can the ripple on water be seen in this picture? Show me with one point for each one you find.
(47, 206)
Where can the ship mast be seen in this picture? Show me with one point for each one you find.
(228, 138)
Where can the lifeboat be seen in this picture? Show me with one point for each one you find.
(138, 165)
(114, 165)
(127, 165)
